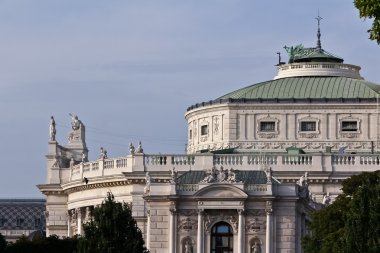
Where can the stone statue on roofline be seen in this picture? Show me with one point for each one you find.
(52, 130)
(139, 149)
(103, 153)
(77, 130)
(214, 175)
(303, 186)
(131, 149)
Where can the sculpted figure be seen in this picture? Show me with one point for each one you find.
(103, 153)
(77, 133)
(188, 247)
(256, 248)
(326, 199)
(84, 158)
(52, 130)
(131, 149)
(173, 175)
(75, 122)
(231, 176)
(211, 175)
(147, 183)
(139, 148)
(303, 180)
(222, 174)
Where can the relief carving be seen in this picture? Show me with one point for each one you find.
(187, 224)
(268, 135)
(309, 135)
(216, 125)
(349, 135)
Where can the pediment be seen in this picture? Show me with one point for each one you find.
(221, 191)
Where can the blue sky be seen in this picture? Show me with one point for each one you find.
(130, 69)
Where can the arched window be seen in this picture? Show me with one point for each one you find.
(221, 238)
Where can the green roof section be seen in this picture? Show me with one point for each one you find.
(307, 87)
(247, 177)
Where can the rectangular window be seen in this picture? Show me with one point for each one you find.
(349, 126)
(308, 126)
(190, 134)
(267, 126)
(204, 130)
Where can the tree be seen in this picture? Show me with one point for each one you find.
(352, 222)
(112, 229)
(3, 243)
(370, 9)
(43, 245)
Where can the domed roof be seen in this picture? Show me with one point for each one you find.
(307, 87)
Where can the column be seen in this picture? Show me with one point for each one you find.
(200, 233)
(268, 238)
(79, 217)
(172, 230)
(69, 234)
(241, 234)
(147, 243)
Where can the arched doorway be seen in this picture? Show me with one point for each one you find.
(222, 238)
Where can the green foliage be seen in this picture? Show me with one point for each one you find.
(3, 243)
(112, 229)
(43, 245)
(352, 222)
(370, 9)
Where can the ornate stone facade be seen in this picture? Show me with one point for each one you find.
(280, 150)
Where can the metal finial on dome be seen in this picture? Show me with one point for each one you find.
(319, 32)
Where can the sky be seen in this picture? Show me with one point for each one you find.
(129, 69)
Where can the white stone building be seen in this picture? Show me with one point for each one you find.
(242, 185)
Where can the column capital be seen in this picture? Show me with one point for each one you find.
(269, 207)
(173, 208)
(201, 212)
(241, 211)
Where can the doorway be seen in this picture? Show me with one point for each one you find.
(222, 238)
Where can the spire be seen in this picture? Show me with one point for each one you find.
(319, 32)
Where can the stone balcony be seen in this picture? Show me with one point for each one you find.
(316, 163)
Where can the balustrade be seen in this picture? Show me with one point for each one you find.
(108, 164)
(95, 166)
(297, 159)
(256, 187)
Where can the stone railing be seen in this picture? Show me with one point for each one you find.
(98, 168)
(187, 187)
(182, 163)
(256, 187)
(318, 69)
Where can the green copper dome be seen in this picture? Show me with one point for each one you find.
(308, 87)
